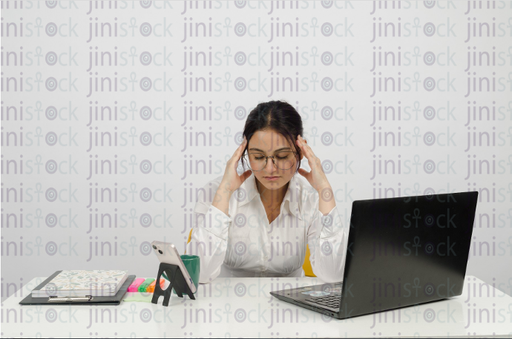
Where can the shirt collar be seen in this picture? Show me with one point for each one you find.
(248, 191)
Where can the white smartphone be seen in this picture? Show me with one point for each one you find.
(168, 254)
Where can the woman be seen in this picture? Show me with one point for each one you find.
(260, 222)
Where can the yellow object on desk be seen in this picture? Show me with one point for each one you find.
(306, 266)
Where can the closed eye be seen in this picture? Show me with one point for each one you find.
(260, 158)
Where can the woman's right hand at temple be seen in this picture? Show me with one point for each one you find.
(231, 180)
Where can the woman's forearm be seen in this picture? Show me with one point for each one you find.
(221, 199)
(326, 200)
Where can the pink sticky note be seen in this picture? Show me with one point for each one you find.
(135, 285)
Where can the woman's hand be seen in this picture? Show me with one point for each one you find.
(231, 180)
(316, 177)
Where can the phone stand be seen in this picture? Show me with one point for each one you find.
(177, 281)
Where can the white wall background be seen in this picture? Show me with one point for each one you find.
(86, 190)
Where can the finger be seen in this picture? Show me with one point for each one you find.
(304, 149)
(303, 172)
(307, 147)
(242, 145)
(240, 149)
(308, 152)
(245, 175)
(313, 160)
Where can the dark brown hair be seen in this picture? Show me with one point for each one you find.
(278, 116)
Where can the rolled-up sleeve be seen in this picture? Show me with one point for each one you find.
(209, 239)
(327, 239)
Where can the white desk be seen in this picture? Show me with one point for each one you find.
(241, 307)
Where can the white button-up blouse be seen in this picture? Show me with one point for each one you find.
(244, 244)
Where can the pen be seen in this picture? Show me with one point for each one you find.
(71, 299)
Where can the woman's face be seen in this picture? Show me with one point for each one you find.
(266, 143)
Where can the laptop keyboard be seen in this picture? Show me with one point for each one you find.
(332, 301)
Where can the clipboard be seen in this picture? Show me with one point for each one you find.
(85, 300)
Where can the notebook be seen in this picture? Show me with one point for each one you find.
(400, 252)
(75, 283)
(83, 300)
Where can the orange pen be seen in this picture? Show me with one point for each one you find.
(151, 287)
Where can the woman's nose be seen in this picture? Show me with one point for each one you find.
(271, 164)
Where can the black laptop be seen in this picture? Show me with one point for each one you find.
(401, 252)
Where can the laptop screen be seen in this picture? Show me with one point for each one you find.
(409, 250)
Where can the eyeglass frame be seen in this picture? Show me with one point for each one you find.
(273, 159)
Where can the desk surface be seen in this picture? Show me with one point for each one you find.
(242, 307)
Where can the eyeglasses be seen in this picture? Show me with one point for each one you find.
(283, 160)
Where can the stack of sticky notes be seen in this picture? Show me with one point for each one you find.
(145, 285)
(151, 287)
(134, 287)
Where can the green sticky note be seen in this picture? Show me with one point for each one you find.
(138, 297)
(144, 286)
